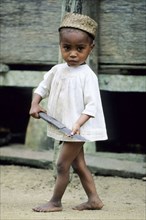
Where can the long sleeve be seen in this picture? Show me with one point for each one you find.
(44, 87)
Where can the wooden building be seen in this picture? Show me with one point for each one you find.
(29, 47)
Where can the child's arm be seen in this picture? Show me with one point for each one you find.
(82, 119)
(35, 107)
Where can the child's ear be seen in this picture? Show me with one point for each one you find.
(92, 46)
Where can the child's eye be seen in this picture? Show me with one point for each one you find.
(80, 49)
(66, 48)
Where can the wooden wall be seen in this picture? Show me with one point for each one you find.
(29, 31)
(122, 32)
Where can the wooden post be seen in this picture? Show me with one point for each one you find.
(91, 8)
(88, 8)
(67, 6)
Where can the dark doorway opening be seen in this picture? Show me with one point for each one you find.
(125, 115)
(14, 114)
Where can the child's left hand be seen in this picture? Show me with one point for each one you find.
(75, 129)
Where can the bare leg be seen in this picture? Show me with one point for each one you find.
(87, 181)
(69, 152)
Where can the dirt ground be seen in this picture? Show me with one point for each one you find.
(23, 188)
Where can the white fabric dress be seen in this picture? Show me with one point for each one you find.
(73, 91)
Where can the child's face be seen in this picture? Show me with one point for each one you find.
(75, 46)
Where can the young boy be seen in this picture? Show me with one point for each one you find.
(74, 99)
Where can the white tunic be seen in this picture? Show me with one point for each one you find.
(73, 91)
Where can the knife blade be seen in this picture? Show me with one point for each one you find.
(60, 126)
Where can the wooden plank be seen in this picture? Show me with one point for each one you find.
(122, 83)
(107, 82)
(122, 32)
(29, 31)
(21, 78)
(123, 69)
(143, 67)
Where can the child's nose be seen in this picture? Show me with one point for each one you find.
(73, 54)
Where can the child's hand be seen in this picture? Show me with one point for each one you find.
(81, 120)
(35, 109)
(75, 129)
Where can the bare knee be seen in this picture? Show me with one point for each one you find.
(78, 167)
(62, 168)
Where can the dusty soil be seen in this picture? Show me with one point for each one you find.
(23, 188)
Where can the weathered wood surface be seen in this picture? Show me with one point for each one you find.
(109, 82)
(29, 31)
(91, 9)
(122, 83)
(122, 29)
(21, 78)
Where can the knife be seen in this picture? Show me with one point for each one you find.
(60, 126)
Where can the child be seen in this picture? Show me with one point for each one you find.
(74, 99)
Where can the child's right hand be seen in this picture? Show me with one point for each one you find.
(35, 107)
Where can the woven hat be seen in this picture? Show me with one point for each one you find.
(79, 21)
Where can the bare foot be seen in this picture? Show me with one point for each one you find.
(89, 206)
(48, 207)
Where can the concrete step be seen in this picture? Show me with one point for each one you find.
(100, 163)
